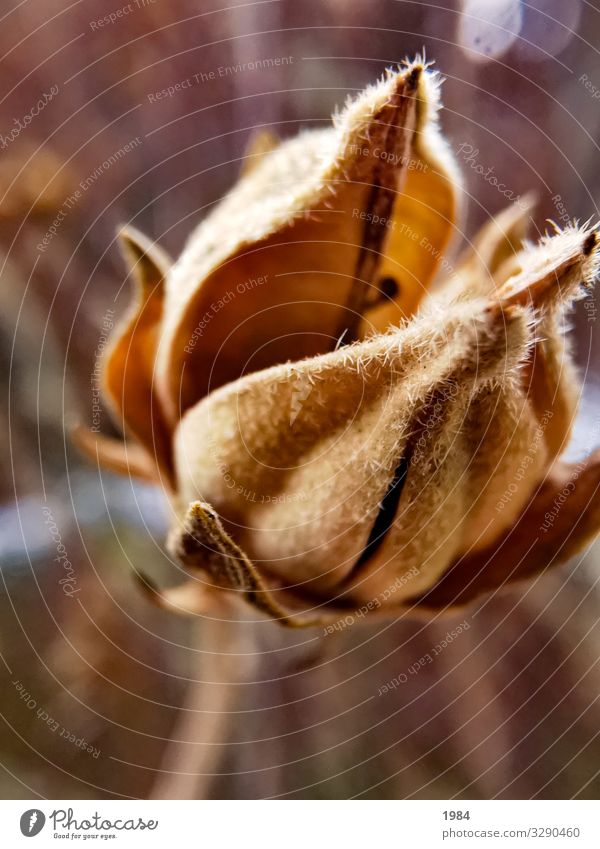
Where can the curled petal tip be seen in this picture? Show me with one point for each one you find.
(553, 273)
(414, 75)
(590, 243)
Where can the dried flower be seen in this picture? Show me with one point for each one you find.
(334, 435)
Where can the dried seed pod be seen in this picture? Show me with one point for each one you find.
(318, 464)
(301, 488)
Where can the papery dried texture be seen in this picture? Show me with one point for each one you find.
(301, 490)
(427, 215)
(561, 518)
(295, 248)
(387, 471)
(552, 276)
(549, 276)
(562, 513)
(128, 372)
(484, 265)
(431, 424)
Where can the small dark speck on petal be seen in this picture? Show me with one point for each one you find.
(388, 286)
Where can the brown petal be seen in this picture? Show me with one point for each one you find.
(425, 216)
(284, 265)
(508, 456)
(552, 275)
(562, 517)
(496, 244)
(129, 367)
(459, 460)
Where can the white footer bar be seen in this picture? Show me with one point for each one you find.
(303, 824)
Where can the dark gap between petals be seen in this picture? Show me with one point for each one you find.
(386, 514)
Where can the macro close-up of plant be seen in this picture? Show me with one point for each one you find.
(301, 480)
(352, 428)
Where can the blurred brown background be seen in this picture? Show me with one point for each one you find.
(96, 683)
